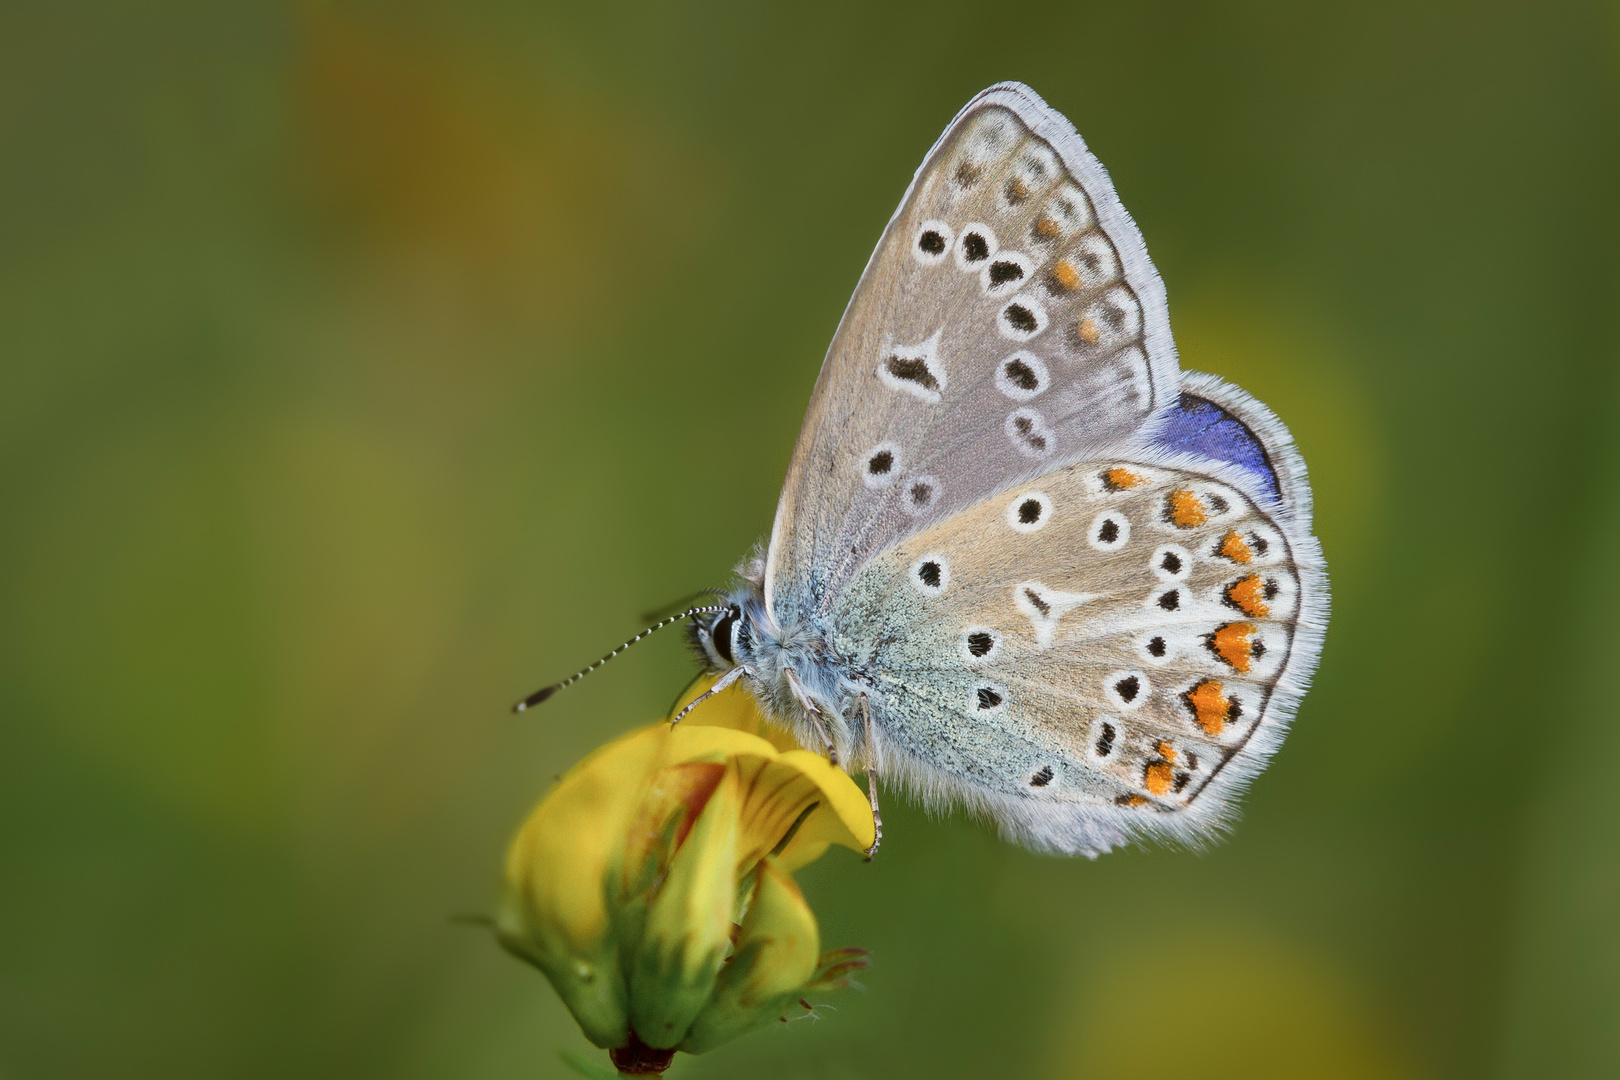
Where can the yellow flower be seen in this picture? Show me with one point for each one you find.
(654, 886)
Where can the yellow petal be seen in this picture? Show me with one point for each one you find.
(553, 911)
(670, 805)
(777, 949)
(688, 927)
(777, 790)
(845, 814)
(734, 707)
(776, 787)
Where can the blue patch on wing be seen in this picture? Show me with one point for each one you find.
(1198, 426)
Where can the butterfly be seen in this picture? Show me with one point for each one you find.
(1021, 561)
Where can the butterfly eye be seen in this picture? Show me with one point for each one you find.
(721, 634)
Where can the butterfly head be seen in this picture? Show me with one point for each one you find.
(740, 635)
(716, 637)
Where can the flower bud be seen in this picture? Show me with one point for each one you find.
(653, 885)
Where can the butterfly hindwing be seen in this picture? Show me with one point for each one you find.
(1102, 652)
(1008, 322)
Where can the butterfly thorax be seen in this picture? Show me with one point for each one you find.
(790, 669)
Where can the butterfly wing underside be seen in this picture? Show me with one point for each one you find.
(1106, 652)
(1009, 321)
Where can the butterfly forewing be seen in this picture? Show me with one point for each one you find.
(1008, 323)
(1108, 638)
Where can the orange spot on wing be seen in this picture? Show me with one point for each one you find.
(1048, 228)
(1186, 510)
(1249, 595)
(1122, 479)
(1157, 777)
(1088, 331)
(1233, 644)
(1130, 801)
(1167, 751)
(1210, 706)
(1236, 548)
(1065, 276)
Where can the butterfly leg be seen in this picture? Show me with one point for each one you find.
(719, 684)
(808, 704)
(871, 780)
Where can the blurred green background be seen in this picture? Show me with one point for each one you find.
(364, 366)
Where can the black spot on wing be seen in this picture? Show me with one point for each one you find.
(912, 370)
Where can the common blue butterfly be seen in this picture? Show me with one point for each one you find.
(1022, 562)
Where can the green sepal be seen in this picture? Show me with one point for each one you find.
(589, 982)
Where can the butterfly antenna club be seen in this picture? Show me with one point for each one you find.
(542, 694)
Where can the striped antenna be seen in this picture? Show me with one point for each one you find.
(675, 605)
(540, 695)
